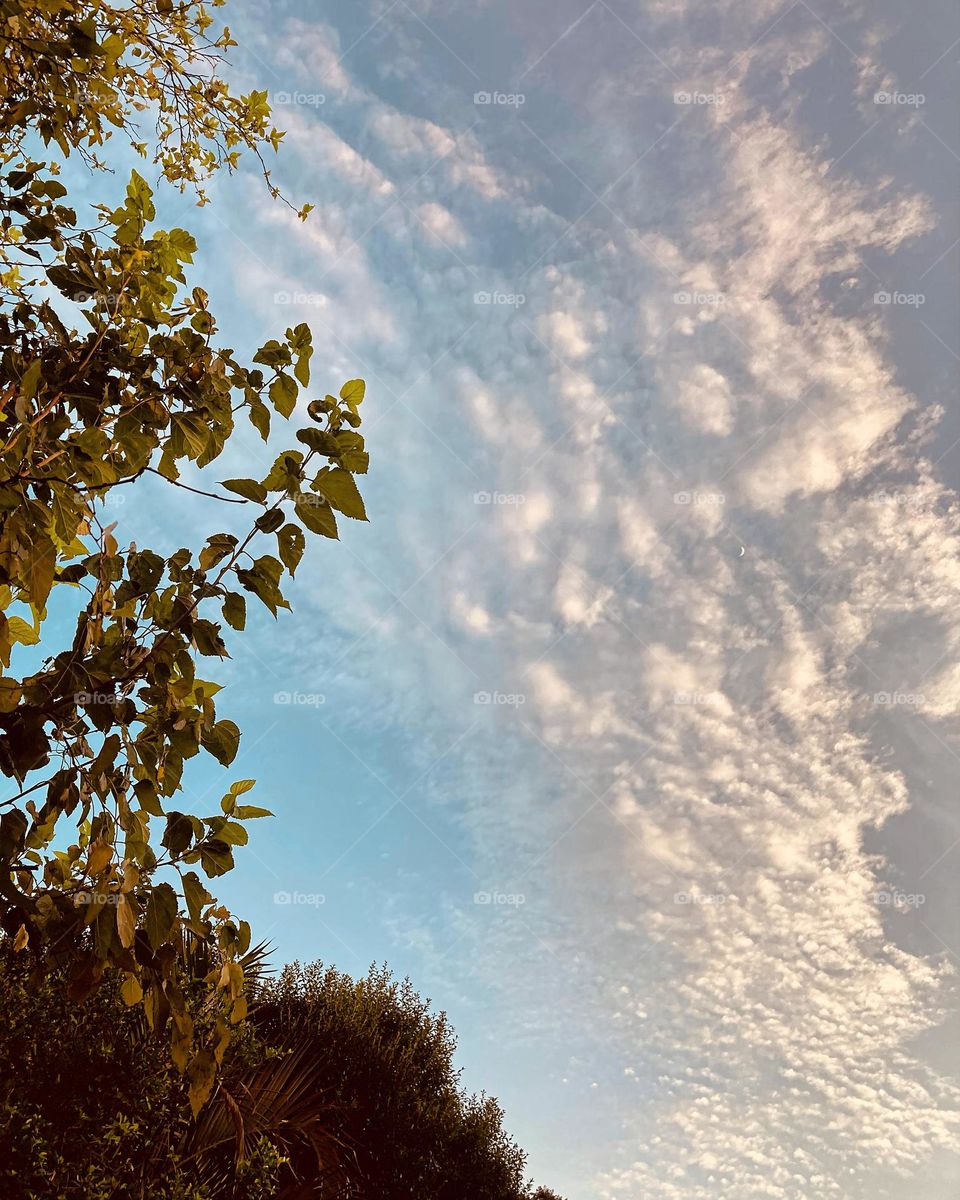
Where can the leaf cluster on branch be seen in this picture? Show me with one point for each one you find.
(111, 370)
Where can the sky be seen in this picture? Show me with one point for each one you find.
(628, 726)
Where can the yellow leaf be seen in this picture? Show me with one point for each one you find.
(181, 1040)
(127, 913)
(21, 939)
(130, 991)
(99, 856)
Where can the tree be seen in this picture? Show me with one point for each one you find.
(91, 1108)
(335, 1088)
(100, 870)
(385, 1067)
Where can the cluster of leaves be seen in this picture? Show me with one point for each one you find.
(98, 865)
(91, 1107)
(76, 71)
(386, 1063)
(335, 1088)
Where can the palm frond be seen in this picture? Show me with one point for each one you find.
(282, 1100)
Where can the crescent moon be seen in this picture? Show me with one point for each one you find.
(743, 551)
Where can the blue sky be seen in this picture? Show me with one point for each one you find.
(628, 726)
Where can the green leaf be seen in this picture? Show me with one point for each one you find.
(207, 639)
(10, 693)
(20, 632)
(272, 354)
(40, 565)
(284, 475)
(179, 833)
(146, 793)
(248, 488)
(162, 910)
(263, 579)
(201, 1073)
(233, 834)
(301, 367)
(340, 488)
(300, 338)
(356, 461)
(318, 518)
(270, 521)
(247, 812)
(196, 895)
(222, 741)
(182, 243)
(31, 379)
(319, 440)
(216, 858)
(352, 455)
(352, 392)
(259, 417)
(195, 434)
(235, 610)
(283, 395)
(218, 546)
(140, 196)
(290, 546)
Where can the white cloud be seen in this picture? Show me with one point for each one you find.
(311, 52)
(441, 224)
(696, 724)
(455, 156)
(705, 401)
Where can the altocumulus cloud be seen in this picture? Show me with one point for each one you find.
(711, 518)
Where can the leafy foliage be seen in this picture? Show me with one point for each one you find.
(77, 71)
(92, 1109)
(99, 865)
(335, 1088)
(385, 1063)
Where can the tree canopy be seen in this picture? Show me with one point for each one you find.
(334, 1088)
(385, 1062)
(112, 369)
